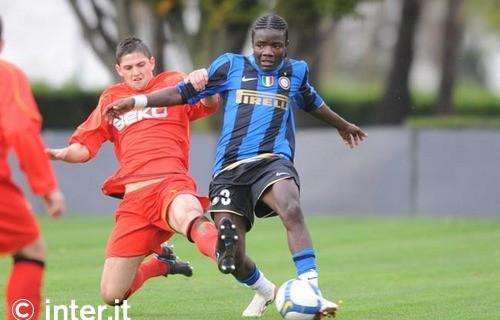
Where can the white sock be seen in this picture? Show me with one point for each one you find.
(263, 286)
(311, 276)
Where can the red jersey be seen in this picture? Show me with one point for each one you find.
(148, 144)
(20, 125)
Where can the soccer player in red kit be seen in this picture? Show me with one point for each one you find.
(159, 196)
(20, 124)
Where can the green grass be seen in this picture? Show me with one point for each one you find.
(382, 268)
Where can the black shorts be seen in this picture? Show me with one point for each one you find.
(239, 190)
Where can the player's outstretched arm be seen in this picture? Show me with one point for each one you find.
(351, 134)
(165, 97)
(74, 153)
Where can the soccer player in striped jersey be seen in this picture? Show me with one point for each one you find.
(253, 173)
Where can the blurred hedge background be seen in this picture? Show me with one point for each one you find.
(474, 107)
(376, 62)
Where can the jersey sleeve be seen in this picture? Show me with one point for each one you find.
(95, 130)
(307, 98)
(218, 81)
(21, 122)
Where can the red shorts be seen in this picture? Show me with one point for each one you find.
(140, 222)
(18, 226)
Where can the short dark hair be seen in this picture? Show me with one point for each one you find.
(130, 45)
(1, 28)
(270, 21)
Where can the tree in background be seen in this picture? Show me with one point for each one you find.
(452, 42)
(101, 39)
(488, 11)
(221, 26)
(217, 25)
(310, 23)
(396, 102)
(104, 23)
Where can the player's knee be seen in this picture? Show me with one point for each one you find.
(111, 296)
(182, 212)
(292, 213)
(36, 250)
(110, 301)
(186, 202)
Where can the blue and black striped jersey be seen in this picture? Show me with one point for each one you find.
(258, 106)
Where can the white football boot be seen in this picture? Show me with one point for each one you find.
(259, 304)
(328, 308)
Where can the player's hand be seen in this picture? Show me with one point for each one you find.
(57, 154)
(352, 135)
(54, 203)
(119, 107)
(198, 78)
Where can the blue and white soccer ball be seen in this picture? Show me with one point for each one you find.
(298, 300)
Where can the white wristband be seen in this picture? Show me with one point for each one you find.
(140, 101)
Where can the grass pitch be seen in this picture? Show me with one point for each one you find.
(381, 268)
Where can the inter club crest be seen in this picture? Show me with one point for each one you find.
(267, 81)
(284, 83)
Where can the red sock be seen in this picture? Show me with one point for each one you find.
(25, 282)
(148, 269)
(204, 234)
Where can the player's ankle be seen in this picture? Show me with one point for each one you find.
(311, 276)
(258, 282)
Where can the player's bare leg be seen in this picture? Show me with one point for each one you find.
(117, 277)
(283, 198)
(231, 249)
(122, 277)
(185, 215)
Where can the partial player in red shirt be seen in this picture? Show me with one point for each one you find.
(20, 124)
(159, 196)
